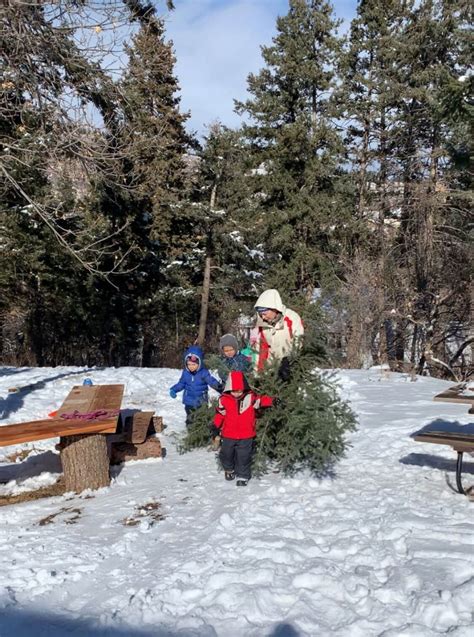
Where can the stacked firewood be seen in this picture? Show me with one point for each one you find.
(136, 438)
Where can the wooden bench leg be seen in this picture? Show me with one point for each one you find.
(458, 473)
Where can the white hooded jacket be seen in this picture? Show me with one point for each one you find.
(276, 341)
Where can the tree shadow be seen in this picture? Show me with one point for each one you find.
(25, 623)
(10, 371)
(33, 466)
(15, 401)
(284, 630)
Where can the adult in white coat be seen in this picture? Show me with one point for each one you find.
(280, 332)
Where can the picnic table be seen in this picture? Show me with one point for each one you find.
(460, 441)
(87, 414)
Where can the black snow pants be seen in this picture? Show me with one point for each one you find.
(189, 415)
(236, 455)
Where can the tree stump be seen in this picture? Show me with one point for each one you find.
(85, 462)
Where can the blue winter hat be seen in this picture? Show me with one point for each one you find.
(262, 309)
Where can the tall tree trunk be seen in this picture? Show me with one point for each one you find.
(364, 153)
(384, 208)
(206, 284)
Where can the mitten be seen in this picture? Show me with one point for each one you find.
(215, 431)
(284, 371)
(173, 393)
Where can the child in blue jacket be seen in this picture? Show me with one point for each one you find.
(194, 381)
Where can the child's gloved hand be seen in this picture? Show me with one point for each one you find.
(215, 431)
(284, 371)
(173, 394)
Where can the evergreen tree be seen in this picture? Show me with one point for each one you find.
(153, 144)
(225, 211)
(44, 228)
(301, 196)
(367, 96)
(154, 129)
(400, 77)
(105, 196)
(305, 203)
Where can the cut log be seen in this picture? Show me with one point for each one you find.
(123, 451)
(85, 462)
(137, 430)
(157, 425)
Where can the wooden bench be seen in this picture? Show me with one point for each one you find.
(460, 441)
(456, 394)
(48, 428)
(82, 444)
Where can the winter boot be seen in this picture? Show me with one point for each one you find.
(229, 475)
(241, 483)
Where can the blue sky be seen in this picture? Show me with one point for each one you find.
(217, 44)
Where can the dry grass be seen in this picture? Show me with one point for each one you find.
(150, 511)
(69, 515)
(19, 455)
(59, 488)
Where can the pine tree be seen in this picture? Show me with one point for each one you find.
(225, 211)
(367, 97)
(54, 231)
(304, 203)
(300, 196)
(399, 74)
(155, 128)
(153, 143)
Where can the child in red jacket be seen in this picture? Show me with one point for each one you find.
(235, 422)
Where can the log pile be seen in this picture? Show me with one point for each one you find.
(136, 441)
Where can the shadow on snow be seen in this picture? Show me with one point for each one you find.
(15, 401)
(24, 623)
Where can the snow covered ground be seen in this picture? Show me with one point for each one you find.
(384, 547)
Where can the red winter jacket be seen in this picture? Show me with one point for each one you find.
(236, 417)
